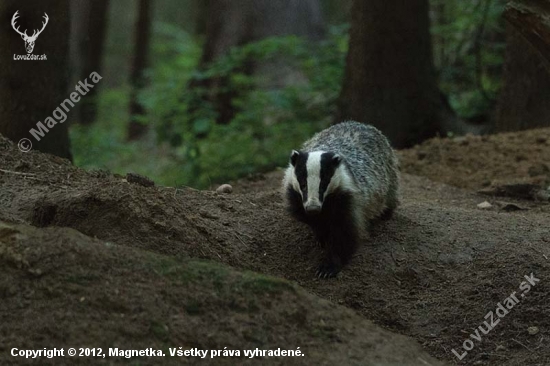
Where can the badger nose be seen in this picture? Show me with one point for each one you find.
(313, 208)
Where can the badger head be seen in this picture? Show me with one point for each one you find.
(316, 175)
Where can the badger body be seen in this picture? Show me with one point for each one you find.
(338, 182)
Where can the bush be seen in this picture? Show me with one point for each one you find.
(268, 122)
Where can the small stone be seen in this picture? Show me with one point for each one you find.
(532, 330)
(36, 272)
(139, 179)
(224, 188)
(484, 205)
(542, 195)
(511, 207)
(208, 215)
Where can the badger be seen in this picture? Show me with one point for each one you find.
(341, 180)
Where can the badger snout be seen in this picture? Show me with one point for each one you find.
(312, 207)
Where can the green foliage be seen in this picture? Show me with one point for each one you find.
(188, 146)
(103, 144)
(268, 122)
(469, 42)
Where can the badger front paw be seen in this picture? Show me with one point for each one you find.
(328, 269)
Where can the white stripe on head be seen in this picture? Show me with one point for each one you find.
(290, 180)
(341, 180)
(314, 177)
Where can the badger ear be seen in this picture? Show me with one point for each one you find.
(336, 159)
(294, 157)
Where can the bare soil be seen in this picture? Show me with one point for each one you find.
(91, 258)
(476, 162)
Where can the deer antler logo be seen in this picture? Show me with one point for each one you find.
(29, 40)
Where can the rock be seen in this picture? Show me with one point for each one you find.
(209, 215)
(139, 179)
(532, 330)
(511, 207)
(542, 195)
(484, 205)
(224, 188)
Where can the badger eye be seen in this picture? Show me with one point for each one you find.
(303, 187)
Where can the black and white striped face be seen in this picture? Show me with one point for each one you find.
(315, 175)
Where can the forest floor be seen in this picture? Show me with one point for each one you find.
(92, 260)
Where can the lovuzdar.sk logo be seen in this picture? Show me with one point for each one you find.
(29, 40)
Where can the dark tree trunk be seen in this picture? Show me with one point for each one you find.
(525, 97)
(201, 10)
(531, 18)
(80, 9)
(90, 33)
(236, 22)
(390, 79)
(438, 17)
(336, 12)
(231, 23)
(137, 79)
(30, 91)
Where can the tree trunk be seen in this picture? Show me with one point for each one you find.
(233, 23)
(201, 19)
(30, 91)
(390, 79)
(79, 27)
(137, 79)
(525, 97)
(336, 12)
(531, 18)
(90, 33)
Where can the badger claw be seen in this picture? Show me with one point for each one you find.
(327, 270)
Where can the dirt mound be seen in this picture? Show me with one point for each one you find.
(61, 288)
(476, 162)
(433, 272)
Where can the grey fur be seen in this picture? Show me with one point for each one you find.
(370, 159)
(363, 186)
